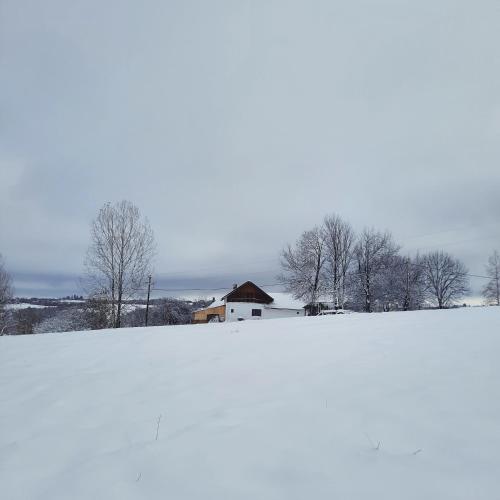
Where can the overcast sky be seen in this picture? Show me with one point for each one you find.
(235, 125)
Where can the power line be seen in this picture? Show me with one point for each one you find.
(199, 289)
(189, 289)
(459, 242)
(274, 259)
(451, 230)
(478, 276)
(267, 285)
(464, 274)
(217, 289)
(208, 289)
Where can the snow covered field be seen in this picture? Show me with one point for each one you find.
(24, 305)
(383, 406)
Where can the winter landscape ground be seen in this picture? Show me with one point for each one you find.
(380, 406)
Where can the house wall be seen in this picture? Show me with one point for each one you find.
(244, 310)
(283, 313)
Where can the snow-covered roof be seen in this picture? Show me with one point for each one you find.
(283, 300)
(216, 303)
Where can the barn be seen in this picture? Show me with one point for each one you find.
(250, 302)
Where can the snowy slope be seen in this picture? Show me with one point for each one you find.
(278, 409)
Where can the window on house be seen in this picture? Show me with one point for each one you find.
(256, 312)
(232, 310)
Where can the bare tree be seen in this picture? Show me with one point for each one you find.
(445, 278)
(26, 320)
(119, 257)
(6, 292)
(165, 311)
(302, 266)
(338, 237)
(373, 254)
(63, 319)
(405, 283)
(97, 311)
(491, 291)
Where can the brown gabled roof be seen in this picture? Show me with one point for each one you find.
(234, 293)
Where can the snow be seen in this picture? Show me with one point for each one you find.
(215, 303)
(278, 409)
(206, 295)
(133, 307)
(25, 305)
(284, 300)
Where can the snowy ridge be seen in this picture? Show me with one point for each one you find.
(384, 406)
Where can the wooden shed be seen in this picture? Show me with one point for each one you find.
(217, 312)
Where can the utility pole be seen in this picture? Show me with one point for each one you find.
(147, 302)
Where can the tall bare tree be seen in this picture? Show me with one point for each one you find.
(373, 255)
(338, 236)
(445, 277)
(302, 266)
(119, 257)
(6, 292)
(491, 291)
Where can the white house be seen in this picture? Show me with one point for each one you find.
(249, 302)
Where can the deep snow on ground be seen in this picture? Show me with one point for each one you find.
(277, 409)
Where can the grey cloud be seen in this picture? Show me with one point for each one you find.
(234, 126)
